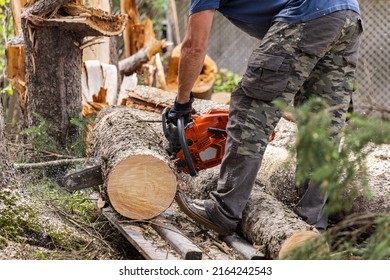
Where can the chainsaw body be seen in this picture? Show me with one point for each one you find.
(200, 144)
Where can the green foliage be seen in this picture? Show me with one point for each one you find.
(76, 203)
(40, 137)
(226, 80)
(78, 146)
(79, 203)
(159, 5)
(362, 239)
(55, 224)
(42, 141)
(341, 168)
(8, 89)
(321, 157)
(52, 197)
(378, 246)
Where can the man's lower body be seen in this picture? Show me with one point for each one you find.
(294, 62)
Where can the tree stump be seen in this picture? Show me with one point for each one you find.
(54, 33)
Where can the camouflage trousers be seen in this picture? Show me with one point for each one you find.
(294, 62)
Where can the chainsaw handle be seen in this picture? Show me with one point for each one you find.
(164, 122)
(184, 146)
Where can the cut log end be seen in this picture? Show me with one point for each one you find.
(296, 241)
(203, 87)
(141, 187)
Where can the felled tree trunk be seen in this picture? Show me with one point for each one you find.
(138, 180)
(124, 136)
(53, 34)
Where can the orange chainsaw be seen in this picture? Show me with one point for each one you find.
(198, 145)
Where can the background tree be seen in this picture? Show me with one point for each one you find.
(6, 172)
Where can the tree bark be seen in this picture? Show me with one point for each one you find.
(53, 78)
(47, 7)
(6, 171)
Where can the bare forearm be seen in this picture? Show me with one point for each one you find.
(193, 52)
(191, 64)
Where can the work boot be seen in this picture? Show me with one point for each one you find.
(196, 211)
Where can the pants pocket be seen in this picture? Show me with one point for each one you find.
(319, 34)
(351, 52)
(266, 76)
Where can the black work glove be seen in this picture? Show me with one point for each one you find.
(181, 110)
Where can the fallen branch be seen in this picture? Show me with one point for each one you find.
(130, 64)
(61, 162)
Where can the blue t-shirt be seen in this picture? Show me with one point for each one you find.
(256, 16)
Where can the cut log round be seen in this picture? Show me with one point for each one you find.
(297, 241)
(139, 180)
(140, 187)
